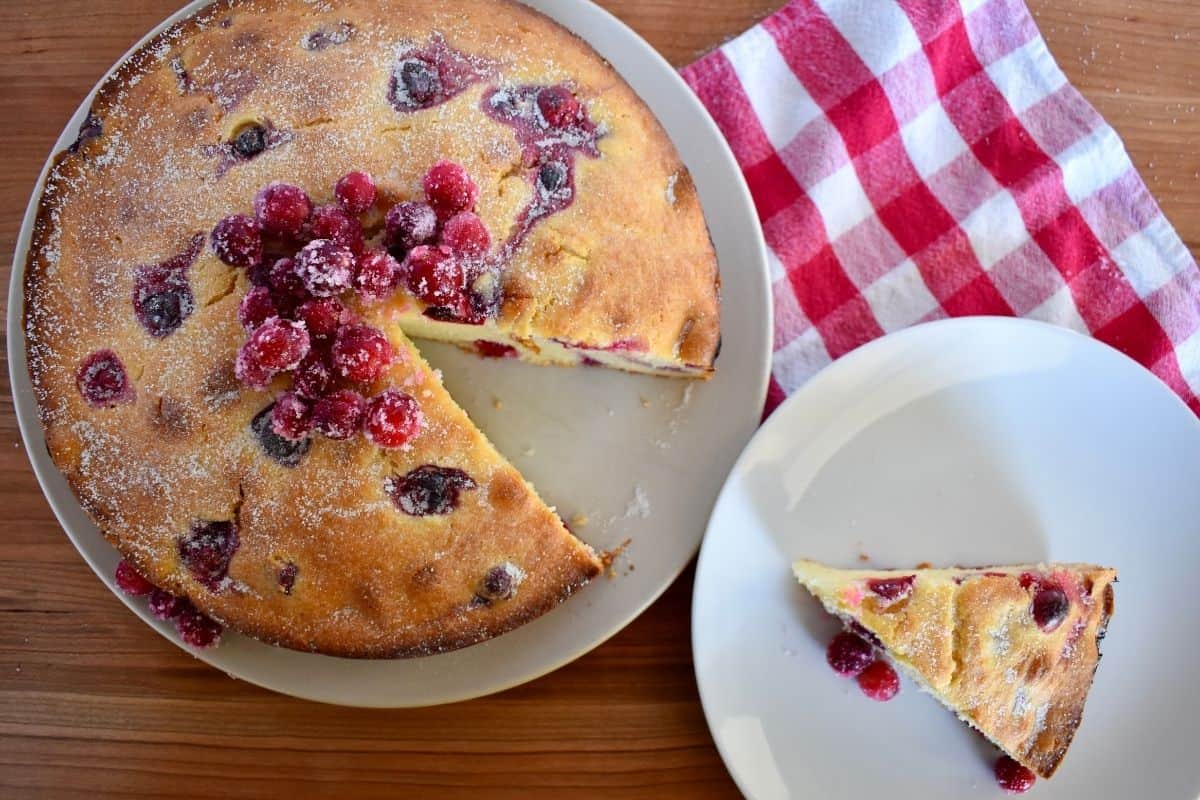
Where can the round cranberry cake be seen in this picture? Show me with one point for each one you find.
(264, 202)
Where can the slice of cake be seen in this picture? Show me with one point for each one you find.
(1011, 650)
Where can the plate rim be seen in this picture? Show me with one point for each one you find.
(25, 405)
(830, 373)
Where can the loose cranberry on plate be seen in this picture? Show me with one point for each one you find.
(130, 581)
(409, 224)
(340, 415)
(849, 654)
(449, 189)
(197, 628)
(361, 353)
(163, 604)
(434, 275)
(393, 418)
(879, 681)
(236, 241)
(1013, 777)
(282, 209)
(355, 192)
(465, 233)
(279, 344)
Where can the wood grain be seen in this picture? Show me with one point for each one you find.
(92, 703)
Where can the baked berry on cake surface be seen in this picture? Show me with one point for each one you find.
(1012, 650)
(208, 292)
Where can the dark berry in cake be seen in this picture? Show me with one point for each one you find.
(237, 241)
(287, 577)
(879, 681)
(102, 380)
(285, 282)
(1013, 777)
(419, 81)
(465, 234)
(249, 370)
(162, 295)
(196, 628)
(849, 654)
(428, 489)
(163, 604)
(207, 548)
(377, 275)
(393, 419)
(892, 589)
(250, 141)
(409, 224)
(552, 176)
(282, 209)
(489, 349)
(257, 307)
(329, 36)
(291, 418)
(449, 189)
(361, 353)
(339, 415)
(1050, 607)
(284, 452)
(130, 581)
(500, 582)
(338, 226)
(558, 106)
(312, 378)
(325, 268)
(434, 275)
(279, 344)
(90, 128)
(355, 192)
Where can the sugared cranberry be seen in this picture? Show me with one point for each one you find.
(892, 589)
(163, 604)
(1050, 607)
(557, 106)
(291, 417)
(355, 192)
(279, 344)
(428, 489)
(409, 224)
(250, 141)
(237, 241)
(197, 628)
(449, 189)
(879, 681)
(283, 451)
(434, 275)
(130, 581)
(339, 415)
(325, 268)
(849, 654)
(282, 209)
(361, 353)
(249, 370)
(500, 582)
(322, 316)
(102, 380)
(1013, 777)
(377, 275)
(465, 233)
(489, 349)
(284, 281)
(256, 307)
(311, 379)
(393, 418)
(338, 226)
(207, 548)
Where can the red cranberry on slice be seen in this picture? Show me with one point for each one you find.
(325, 268)
(361, 353)
(849, 654)
(257, 307)
(393, 418)
(466, 234)
(1050, 607)
(377, 275)
(428, 489)
(1013, 777)
(322, 316)
(207, 548)
(164, 605)
(557, 106)
(279, 344)
(284, 281)
(449, 189)
(237, 241)
(1028, 579)
(338, 226)
(291, 418)
(339, 415)
(489, 349)
(130, 581)
(409, 224)
(197, 628)
(250, 370)
(434, 275)
(892, 589)
(102, 380)
(282, 209)
(355, 192)
(312, 377)
(879, 681)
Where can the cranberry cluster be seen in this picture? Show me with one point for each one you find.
(852, 656)
(295, 315)
(195, 627)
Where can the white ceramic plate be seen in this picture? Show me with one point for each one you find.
(969, 441)
(641, 457)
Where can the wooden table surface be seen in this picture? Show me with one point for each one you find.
(92, 702)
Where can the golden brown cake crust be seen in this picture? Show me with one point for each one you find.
(970, 637)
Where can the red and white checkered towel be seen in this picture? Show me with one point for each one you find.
(918, 159)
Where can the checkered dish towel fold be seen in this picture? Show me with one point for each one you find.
(918, 159)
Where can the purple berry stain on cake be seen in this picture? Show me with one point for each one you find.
(206, 550)
(91, 128)
(102, 380)
(428, 490)
(285, 452)
(329, 36)
(247, 142)
(426, 76)
(162, 296)
(552, 127)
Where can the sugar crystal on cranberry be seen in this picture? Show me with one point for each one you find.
(291, 418)
(256, 307)
(393, 419)
(339, 415)
(500, 582)
(282, 209)
(338, 226)
(322, 316)
(449, 189)
(377, 275)
(279, 344)
(237, 241)
(355, 192)
(250, 141)
(325, 268)
(409, 224)
(197, 628)
(361, 353)
(312, 377)
(434, 275)
(130, 581)
(250, 370)
(163, 604)
(465, 234)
